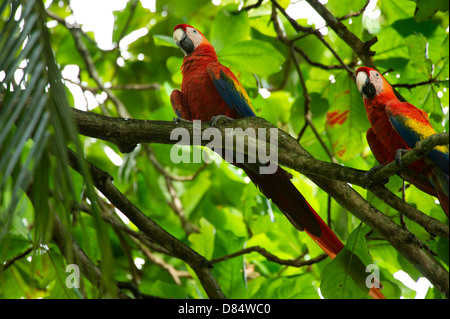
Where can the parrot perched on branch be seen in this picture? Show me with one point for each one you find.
(397, 126)
(210, 89)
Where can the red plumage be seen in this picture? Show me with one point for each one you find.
(209, 89)
(397, 125)
(200, 100)
(199, 95)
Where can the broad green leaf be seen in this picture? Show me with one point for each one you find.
(443, 249)
(230, 27)
(203, 242)
(174, 66)
(295, 287)
(346, 118)
(252, 56)
(427, 8)
(346, 275)
(230, 273)
(444, 47)
(164, 40)
(195, 193)
(342, 7)
(344, 278)
(417, 47)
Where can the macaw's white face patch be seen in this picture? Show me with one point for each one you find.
(188, 40)
(369, 85)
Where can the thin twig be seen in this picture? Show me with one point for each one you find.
(9, 263)
(271, 257)
(315, 32)
(175, 202)
(77, 34)
(174, 273)
(355, 14)
(413, 85)
(103, 182)
(253, 6)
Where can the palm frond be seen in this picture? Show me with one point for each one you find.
(36, 127)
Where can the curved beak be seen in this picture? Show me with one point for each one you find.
(183, 42)
(365, 87)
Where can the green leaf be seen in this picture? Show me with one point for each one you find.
(286, 288)
(174, 65)
(344, 278)
(427, 8)
(345, 119)
(231, 272)
(443, 249)
(203, 242)
(346, 275)
(230, 26)
(444, 47)
(252, 56)
(164, 40)
(417, 47)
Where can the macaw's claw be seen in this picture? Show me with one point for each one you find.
(398, 157)
(217, 118)
(368, 175)
(180, 120)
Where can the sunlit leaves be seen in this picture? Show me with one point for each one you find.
(252, 56)
(230, 212)
(345, 277)
(230, 26)
(427, 8)
(345, 119)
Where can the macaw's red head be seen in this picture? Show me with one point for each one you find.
(188, 38)
(371, 83)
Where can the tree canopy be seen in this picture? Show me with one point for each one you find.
(93, 206)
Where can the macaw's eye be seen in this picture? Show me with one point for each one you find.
(377, 75)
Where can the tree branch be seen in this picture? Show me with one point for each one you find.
(90, 66)
(127, 133)
(316, 33)
(271, 257)
(103, 182)
(362, 49)
(421, 149)
(69, 247)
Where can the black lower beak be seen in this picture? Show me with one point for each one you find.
(186, 45)
(368, 89)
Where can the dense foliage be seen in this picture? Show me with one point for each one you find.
(298, 79)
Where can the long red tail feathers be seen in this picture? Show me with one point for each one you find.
(328, 240)
(330, 244)
(288, 200)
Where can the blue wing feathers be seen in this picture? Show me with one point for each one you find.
(230, 93)
(411, 138)
(441, 159)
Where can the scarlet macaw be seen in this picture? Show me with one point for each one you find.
(210, 89)
(398, 126)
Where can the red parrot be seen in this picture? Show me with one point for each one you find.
(397, 126)
(210, 89)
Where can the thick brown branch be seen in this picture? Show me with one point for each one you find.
(103, 182)
(128, 132)
(421, 149)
